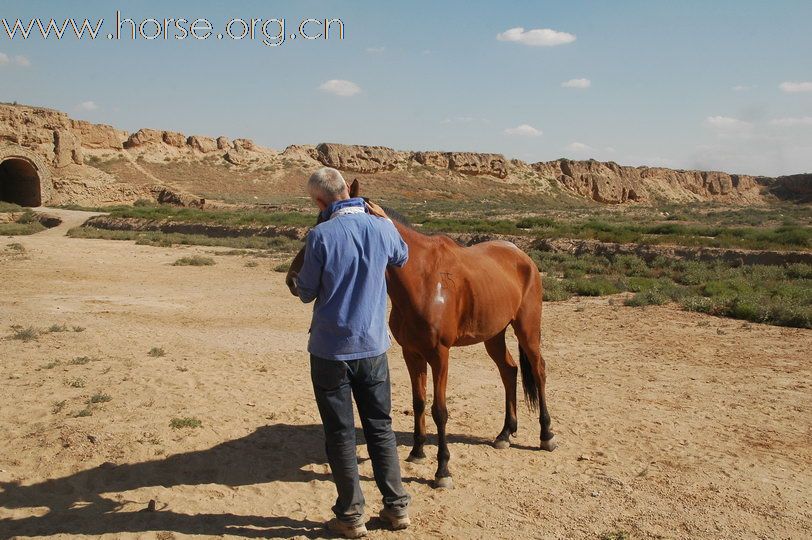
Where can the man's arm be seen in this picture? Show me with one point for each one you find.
(399, 253)
(309, 278)
(398, 250)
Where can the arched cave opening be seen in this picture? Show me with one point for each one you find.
(20, 183)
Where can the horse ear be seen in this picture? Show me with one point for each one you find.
(355, 188)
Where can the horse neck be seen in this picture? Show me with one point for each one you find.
(404, 283)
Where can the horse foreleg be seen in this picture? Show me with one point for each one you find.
(508, 370)
(416, 365)
(439, 411)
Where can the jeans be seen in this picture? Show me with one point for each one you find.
(335, 382)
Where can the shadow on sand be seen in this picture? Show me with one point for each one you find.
(279, 452)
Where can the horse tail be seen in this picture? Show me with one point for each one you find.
(531, 388)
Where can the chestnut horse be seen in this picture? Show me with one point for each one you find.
(448, 295)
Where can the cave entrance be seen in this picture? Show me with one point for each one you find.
(20, 182)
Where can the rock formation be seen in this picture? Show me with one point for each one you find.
(797, 187)
(202, 144)
(245, 144)
(612, 183)
(54, 141)
(98, 136)
(357, 158)
(143, 137)
(465, 162)
(174, 138)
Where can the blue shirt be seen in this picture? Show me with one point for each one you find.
(344, 270)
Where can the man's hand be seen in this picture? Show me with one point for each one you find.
(376, 210)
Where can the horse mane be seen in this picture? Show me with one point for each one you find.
(397, 217)
(394, 215)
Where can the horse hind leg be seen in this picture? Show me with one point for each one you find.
(534, 373)
(508, 370)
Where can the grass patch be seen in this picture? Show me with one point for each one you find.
(28, 333)
(52, 364)
(156, 352)
(185, 422)
(592, 286)
(76, 382)
(21, 229)
(87, 411)
(780, 295)
(81, 360)
(788, 236)
(58, 328)
(57, 406)
(555, 290)
(242, 217)
(282, 267)
(99, 397)
(10, 207)
(159, 239)
(251, 264)
(194, 260)
(79, 328)
(615, 535)
(15, 247)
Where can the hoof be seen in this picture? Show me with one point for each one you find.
(443, 483)
(549, 445)
(501, 444)
(416, 459)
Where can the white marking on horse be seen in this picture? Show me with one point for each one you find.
(439, 297)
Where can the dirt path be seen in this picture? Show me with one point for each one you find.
(70, 219)
(671, 424)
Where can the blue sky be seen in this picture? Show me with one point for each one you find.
(690, 84)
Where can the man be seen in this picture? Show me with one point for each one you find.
(344, 272)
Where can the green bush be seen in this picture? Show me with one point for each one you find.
(799, 271)
(630, 265)
(194, 260)
(554, 290)
(594, 286)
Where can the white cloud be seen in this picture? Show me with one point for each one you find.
(741, 88)
(789, 122)
(87, 106)
(524, 130)
(578, 147)
(727, 123)
(540, 37)
(19, 60)
(792, 87)
(376, 50)
(577, 83)
(340, 87)
(458, 120)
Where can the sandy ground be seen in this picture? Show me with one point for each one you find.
(670, 424)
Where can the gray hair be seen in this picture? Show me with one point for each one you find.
(327, 181)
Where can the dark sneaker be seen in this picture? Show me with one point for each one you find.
(395, 522)
(347, 530)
